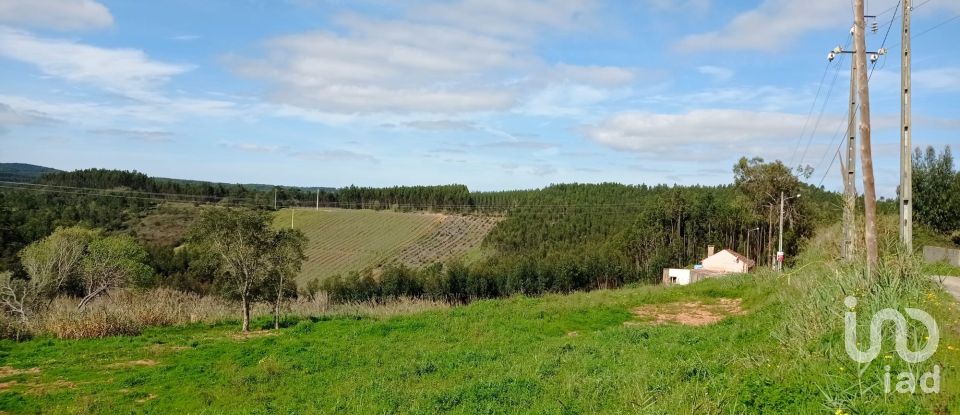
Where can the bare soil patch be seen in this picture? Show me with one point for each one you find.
(694, 313)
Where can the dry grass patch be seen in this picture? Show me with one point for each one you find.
(694, 313)
(149, 397)
(45, 388)
(7, 371)
(134, 363)
(253, 334)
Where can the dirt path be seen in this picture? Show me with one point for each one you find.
(951, 284)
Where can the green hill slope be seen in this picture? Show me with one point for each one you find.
(22, 172)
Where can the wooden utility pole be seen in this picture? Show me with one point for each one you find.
(850, 169)
(906, 150)
(866, 155)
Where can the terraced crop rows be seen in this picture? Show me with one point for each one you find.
(344, 240)
(455, 236)
(351, 240)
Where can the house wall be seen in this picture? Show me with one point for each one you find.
(937, 254)
(677, 276)
(682, 276)
(725, 262)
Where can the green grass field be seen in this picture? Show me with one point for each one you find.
(344, 240)
(580, 353)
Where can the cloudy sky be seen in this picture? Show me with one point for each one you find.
(496, 94)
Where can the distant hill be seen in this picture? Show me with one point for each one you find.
(22, 172)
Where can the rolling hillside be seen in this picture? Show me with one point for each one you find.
(344, 240)
(21, 172)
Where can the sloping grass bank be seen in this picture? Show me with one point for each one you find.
(552, 354)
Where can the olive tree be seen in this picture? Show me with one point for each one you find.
(286, 258)
(112, 262)
(252, 256)
(50, 263)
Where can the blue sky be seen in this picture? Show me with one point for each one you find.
(495, 94)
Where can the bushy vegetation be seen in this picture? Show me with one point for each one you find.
(936, 190)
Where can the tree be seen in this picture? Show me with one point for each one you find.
(250, 254)
(936, 183)
(111, 262)
(50, 264)
(761, 184)
(286, 258)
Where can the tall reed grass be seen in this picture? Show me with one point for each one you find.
(128, 312)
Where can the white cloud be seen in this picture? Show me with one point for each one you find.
(96, 115)
(251, 147)
(940, 79)
(441, 125)
(684, 6)
(512, 18)
(564, 99)
(718, 73)
(133, 134)
(10, 116)
(127, 72)
(773, 24)
(55, 14)
(519, 145)
(762, 98)
(700, 134)
(464, 57)
(334, 155)
(597, 75)
(331, 155)
(770, 26)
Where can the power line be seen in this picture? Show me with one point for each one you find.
(823, 108)
(873, 66)
(826, 69)
(869, 76)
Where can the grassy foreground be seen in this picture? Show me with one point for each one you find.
(552, 354)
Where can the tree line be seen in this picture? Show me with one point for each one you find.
(936, 191)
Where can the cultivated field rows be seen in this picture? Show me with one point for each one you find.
(344, 240)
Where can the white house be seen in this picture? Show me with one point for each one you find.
(726, 261)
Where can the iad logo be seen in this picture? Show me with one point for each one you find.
(906, 381)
